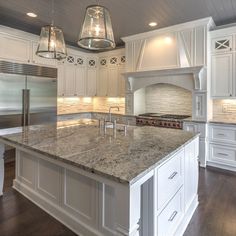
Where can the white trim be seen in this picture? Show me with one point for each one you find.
(187, 217)
(221, 165)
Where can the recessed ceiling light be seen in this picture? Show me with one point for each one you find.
(31, 14)
(152, 24)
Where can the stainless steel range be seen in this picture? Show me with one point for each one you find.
(161, 120)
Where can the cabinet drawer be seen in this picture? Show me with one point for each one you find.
(169, 179)
(223, 134)
(169, 218)
(223, 154)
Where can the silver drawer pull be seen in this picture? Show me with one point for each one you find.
(221, 134)
(222, 154)
(173, 175)
(174, 214)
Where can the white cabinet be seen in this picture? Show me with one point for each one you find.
(223, 54)
(80, 81)
(72, 74)
(201, 128)
(191, 172)
(179, 177)
(222, 75)
(60, 80)
(69, 77)
(222, 44)
(222, 146)
(121, 81)
(102, 82)
(91, 82)
(91, 85)
(170, 217)
(199, 106)
(170, 178)
(14, 48)
(110, 82)
(21, 50)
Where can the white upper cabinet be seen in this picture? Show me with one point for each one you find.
(222, 75)
(80, 81)
(223, 55)
(91, 83)
(113, 82)
(102, 83)
(79, 74)
(70, 85)
(222, 44)
(60, 80)
(22, 50)
(110, 82)
(15, 48)
(121, 82)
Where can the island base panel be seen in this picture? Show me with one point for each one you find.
(77, 199)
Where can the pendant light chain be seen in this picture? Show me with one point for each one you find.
(52, 12)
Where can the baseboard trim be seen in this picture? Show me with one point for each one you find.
(187, 217)
(221, 166)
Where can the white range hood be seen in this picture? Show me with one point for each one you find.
(191, 78)
(177, 55)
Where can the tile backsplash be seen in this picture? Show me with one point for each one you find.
(167, 98)
(85, 104)
(225, 108)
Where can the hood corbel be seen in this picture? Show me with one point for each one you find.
(191, 78)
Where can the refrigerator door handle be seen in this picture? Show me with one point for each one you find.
(25, 107)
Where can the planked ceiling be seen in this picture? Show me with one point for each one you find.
(128, 16)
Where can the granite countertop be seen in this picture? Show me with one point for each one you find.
(190, 119)
(96, 112)
(124, 158)
(220, 120)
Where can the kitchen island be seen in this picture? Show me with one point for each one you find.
(140, 182)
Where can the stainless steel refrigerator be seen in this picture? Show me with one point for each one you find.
(28, 94)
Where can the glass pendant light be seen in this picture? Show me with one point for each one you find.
(51, 43)
(96, 32)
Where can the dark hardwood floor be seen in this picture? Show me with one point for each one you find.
(20, 217)
(215, 215)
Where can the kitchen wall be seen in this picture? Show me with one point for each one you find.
(88, 104)
(167, 98)
(225, 108)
